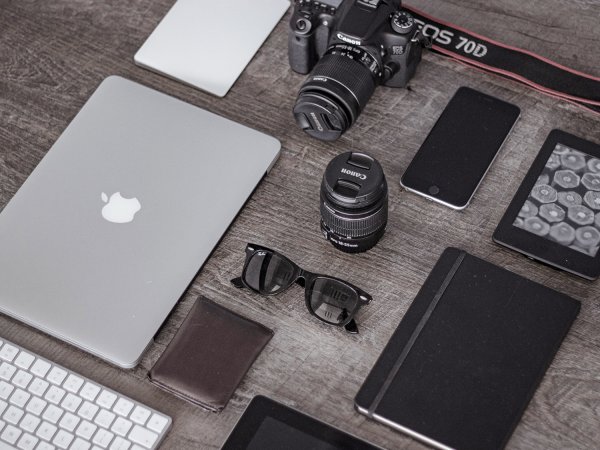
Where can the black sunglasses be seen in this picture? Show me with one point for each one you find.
(330, 299)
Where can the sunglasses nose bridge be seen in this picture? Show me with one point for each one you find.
(301, 278)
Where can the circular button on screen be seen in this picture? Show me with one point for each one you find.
(434, 190)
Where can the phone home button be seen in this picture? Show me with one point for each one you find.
(434, 190)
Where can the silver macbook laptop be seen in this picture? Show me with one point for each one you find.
(107, 232)
(208, 43)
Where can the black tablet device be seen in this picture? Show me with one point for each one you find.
(268, 425)
(555, 215)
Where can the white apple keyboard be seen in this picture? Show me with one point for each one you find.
(44, 406)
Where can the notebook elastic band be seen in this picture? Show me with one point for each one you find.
(518, 64)
(415, 334)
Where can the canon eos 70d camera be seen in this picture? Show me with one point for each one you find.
(351, 46)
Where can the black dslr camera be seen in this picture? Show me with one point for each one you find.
(351, 46)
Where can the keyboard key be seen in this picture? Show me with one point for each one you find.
(5, 390)
(71, 402)
(54, 394)
(19, 398)
(7, 371)
(106, 399)
(27, 442)
(45, 446)
(56, 375)
(3, 406)
(46, 431)
(40, 368)
(29, 423)
(8, 352)
(69, 422)
(22, 378)
(36, 406)
(24, 360)
(88, 410)
(143, 437)
(73, 383)
(140, 415)
(52, 414)
(90, 391)
(123, 407)
(85, 430)
(102, 438)
(63, 439)
(104, 418)
(120, 444)
(80, 444)
(38, 387)
(10, 434)
(121, 426)
(13, 415)
(157, 423)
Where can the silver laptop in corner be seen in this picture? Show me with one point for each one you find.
(208, 43)
(113, 224)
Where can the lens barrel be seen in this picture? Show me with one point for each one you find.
(354, 202)
(339, 87)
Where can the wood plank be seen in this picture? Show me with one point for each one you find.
(54, 54)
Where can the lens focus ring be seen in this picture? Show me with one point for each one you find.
(351, 74)
(355, 227)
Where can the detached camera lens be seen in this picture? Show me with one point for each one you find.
(354, 202)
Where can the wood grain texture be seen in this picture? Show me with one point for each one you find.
(54, 54)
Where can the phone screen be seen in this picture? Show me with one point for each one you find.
(460, 148)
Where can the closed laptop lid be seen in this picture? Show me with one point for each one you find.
(207, 43)
(110, 228)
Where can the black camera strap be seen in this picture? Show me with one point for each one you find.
(521, 65)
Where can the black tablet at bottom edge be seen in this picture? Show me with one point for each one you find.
(269, 425)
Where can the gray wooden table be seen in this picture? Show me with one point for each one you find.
(53, 55)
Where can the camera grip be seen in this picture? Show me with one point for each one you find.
(301, 53)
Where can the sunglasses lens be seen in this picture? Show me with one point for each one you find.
(332, 300)
(268, 273)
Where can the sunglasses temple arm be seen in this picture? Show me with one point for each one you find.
(238, 283)
(351, 327)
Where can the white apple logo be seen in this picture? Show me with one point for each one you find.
(119, 209)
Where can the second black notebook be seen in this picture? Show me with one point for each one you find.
(467, 357)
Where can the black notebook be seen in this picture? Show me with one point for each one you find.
(466, 359)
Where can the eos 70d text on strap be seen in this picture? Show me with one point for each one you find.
(518, 64)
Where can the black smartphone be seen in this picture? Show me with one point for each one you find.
(460, 148)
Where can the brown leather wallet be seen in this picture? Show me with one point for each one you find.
(209, 355)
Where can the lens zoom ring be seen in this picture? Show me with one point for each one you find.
(354, 227)
(352, 74)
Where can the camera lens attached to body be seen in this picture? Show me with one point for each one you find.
(349, 47)
(354, 202)
(340, 85)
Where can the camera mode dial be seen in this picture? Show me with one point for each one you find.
(402, 22)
